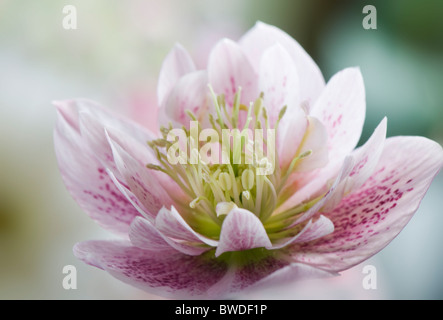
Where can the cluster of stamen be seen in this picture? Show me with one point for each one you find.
(248, 180)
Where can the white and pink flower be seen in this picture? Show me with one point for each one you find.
(210, 230)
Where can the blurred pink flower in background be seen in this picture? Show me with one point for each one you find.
(209, 230)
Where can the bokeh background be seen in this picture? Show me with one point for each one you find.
(114, 57)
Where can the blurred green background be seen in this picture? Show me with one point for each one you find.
(114, 57)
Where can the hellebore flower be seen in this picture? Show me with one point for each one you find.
(204, 217)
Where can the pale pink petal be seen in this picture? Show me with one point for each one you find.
(229, 69)
(262, 36)
(109, 119)
(368, 219)
(87, 180)
(365, 159)
(176, 64)
(290, 133)
(315, 141)
(313, 230)
(168, 273)
(143, 234)
(305, 182)
(355, 171)
(317, 229)
(94, 120)
(242, 230)
(346, 169)
(129, 195)
(278, 80)
(69, 111)
(140, 180)
(172, 224)
(341, 108)
(191, 93)
(144, 155)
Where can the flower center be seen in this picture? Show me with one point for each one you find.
(231, 163)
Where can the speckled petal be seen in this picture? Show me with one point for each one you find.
(229, 69)
(87, 180)
(368, 219)
(365, 159)
(168, 273)
(95, 120)
(278, 80)
(341, 108)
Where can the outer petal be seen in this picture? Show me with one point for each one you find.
(87, 180)
(176, 64)
(262, 36)
(168, 273)
(368, 219)
(94, 120)
(229, 69)
(242, 230)
(172, 274)
(241, 277)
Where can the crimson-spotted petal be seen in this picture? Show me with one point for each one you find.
(368, 219)
(87, 180)
(229, 69)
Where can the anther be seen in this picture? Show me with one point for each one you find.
(224, 179)
(247, 179)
